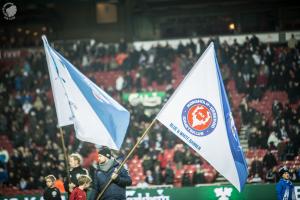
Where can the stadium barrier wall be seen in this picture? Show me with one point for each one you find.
(211, 192)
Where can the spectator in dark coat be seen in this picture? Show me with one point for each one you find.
(198, 176)
(169, 175)
(186, 181)
(157, 175)
(256, 167)
(269, 160)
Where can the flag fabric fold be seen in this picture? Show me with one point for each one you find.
(63, 112)
(96, 116)
(199, 113)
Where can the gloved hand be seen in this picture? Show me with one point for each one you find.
(114, 175)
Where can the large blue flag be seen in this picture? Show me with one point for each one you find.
(198, 112)
(97, 117)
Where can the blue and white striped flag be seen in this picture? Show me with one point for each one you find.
(198, 112)
(97, 117)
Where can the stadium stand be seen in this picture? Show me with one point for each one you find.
(262, 81)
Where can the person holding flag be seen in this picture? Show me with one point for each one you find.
(75, 162)
(106, 170)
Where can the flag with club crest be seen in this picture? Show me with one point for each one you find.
(198, 112)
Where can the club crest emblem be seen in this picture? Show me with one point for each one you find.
(199, 117)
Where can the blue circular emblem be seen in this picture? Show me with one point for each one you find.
(199, 117)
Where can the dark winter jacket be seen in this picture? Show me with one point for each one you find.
(116, 190)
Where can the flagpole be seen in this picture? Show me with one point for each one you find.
(127, 157)
(65, 153)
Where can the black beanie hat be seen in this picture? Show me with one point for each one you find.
(105, 151)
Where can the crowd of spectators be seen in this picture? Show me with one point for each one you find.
(28, 117)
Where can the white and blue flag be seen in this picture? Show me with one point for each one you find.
(199, 113)
(97, 117)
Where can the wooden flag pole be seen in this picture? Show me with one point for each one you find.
(127, 157)
(65, 153)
